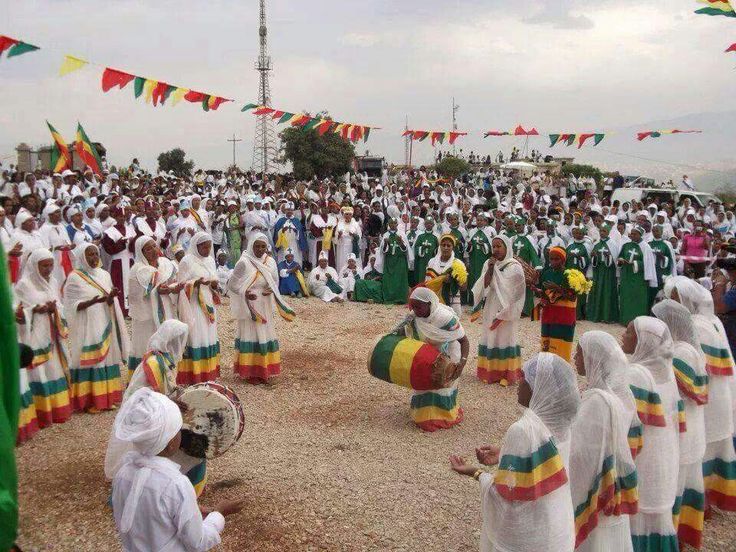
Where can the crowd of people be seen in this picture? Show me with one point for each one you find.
(633, 465)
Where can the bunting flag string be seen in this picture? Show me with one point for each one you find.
(15, 47)
(658, 133)
(581, 138)
(435, 136)
(717, 7)
(518, 131)
(347, 131)
(71, 64)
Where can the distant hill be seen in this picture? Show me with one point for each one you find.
(708, 158)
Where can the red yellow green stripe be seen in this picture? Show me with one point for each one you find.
(499, 364)
(689, 383)
(530, 477)
(635, 439)
(649, 407)
(87, 152)
(719, 477)
(259, 361)
(681, 418)
(97, 352)
(98, 387)
(27, 419)
(61, 158)
(198, 477)
(691, 518)
(199, 364)
(405, 362)
(716, 7)
(718, 361)
(432, 411)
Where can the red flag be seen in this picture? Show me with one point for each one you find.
(533, 132)
(263, 111)
(407, 132)
(323, 127)
(157, 95)
(217, 101)
(6, 42)
(731, 48)
(113, 77)
(454, 135)
(194, 96)
(582, 138)
(641, 135)
(277, 114)
(519, 131)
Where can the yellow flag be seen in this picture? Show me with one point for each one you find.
(70, 64)
(281, 241)
(302, 283)
(177, 95)
(327, 238)
(148, 89)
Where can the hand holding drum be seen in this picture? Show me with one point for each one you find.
(411, 363)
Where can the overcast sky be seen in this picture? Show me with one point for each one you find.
(561, 65)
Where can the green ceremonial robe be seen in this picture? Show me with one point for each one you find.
(411, 235)
(603, 298)
(459, 243)
(369, 288)
(479, 250)
(663, 264)
(578, 257)
(425, 247)
(524, 249)
(395, 270)
(633, 288)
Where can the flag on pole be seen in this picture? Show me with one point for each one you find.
(61, 157)
(717, 7)
(9, 409)
(86, 151)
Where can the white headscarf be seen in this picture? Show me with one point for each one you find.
(555, 395)
(33, 289)
(194, 265)
(148, 421)
(437, 327)
(654, 348)
(170, 338)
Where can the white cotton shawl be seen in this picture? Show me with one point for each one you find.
(442, 325)
(146, 307)
(508, 286)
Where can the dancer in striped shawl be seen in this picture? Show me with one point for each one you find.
(255, 296)
(99, 339)
(42, 327)
(603, 477)
(526, 502)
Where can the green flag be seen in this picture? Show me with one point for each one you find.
(9, 409)
(553, 139)
(21, 48)
(138, 86)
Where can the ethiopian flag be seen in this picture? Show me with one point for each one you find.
(717, 7)
(61, 158)
(87, 152)
(9, 408)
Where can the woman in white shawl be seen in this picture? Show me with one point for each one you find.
(348, 236)
(500, 293)
(26, 238)
(653, 384)
(42, 327)
(719, 460)
(255, 296)
(152, 289)
(323, 281)
(603, 478)
(437, 325)
(197, 308)
(527, 507)
(692, 382)
(98, 336)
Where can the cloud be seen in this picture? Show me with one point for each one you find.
(361, 40)
(560, 17)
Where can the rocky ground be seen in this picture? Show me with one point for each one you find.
(329, 459)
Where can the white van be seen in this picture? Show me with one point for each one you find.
(647, 195)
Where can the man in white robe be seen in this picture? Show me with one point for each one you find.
(323, 281)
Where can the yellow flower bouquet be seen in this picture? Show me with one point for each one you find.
(577, 282)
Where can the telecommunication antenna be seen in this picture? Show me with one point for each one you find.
(455, 109)
(264, 145)
(234, 140)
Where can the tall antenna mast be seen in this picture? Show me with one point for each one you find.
(407, 144)
(264, 145)
(455, 108)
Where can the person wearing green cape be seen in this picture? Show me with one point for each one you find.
(578, 257)
(411, 237)
(550, 240)
(453, 227)
(395, 250)
(603, 298)
(525, 250)
(425, 247)
(479, 251)
(664, 261)
(637, 275)
(369, 289)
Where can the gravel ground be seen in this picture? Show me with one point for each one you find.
(329, 459)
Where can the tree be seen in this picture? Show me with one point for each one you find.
(313, 155)
(452, 167)
(173, 160)
(579, 171)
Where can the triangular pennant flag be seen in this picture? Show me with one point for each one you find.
(598, 139)
(216, 101)
(138, 86)
(113, 77)
(571, 139)
(21, 48)
(731, 48)
(6, 42)
(533, 132)
(324, 126)
(277, 115)
(407, 132)
(285, 118)
(366, 133)
(249, 106)
(167, 93)
(148, 90)
(345, 132)
(206, 102)
(582, 138)
(70, 64)
(193, 96)
(158, 91)
(263, 110)
(312, 123)
(553, 139)
(178, 95)
(519, 131)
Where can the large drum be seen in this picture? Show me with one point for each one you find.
(410, 363)
(214, 420)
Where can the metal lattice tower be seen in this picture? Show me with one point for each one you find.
(265, 147)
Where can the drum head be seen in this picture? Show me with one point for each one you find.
(213, 422)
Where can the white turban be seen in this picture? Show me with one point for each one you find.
(148, 420)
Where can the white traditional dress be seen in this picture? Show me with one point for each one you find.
(98, 337)
(45, 334)
(324, 282)
(197, 308)
(148, 307)
(346, 235)
(499, 354)
(257, 346)
(526, 508)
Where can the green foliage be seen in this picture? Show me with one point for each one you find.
(726, 193)
(313, 155)
(582, 171)
(452, 167)
(174, 160)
